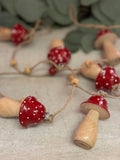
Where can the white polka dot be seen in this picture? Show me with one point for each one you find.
(107, 84)
(96, 83)
(28, 108)
(115, 80)
(56, 61)
(56, 51)
(33, 114)
(27, 117)
(103, 77)
(38, 118)
(22, 122)
(20, 112)
(24, 101)
(36, 107)
(14, 31)
(41, 111)
(32, 101)
(98, 99)
(111, 71)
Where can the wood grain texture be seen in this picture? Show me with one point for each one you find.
(86, 134)
(9, 107)
(111, 53)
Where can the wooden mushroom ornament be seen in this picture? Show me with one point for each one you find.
(16, 34)
(105, 40)
(59, 54)
(86, 134)
(30, 111)
(105, 78)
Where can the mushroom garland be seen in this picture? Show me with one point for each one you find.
(105, 40)
(105, 79)
(32, 112)
(86, 134)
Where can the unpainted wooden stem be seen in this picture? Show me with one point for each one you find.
(90, 69)
(9, 107)
(86, 134)
(111, 53)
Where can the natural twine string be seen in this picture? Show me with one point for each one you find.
(73, 15)
(59, 68)
(115, 89)
(65, 105)
(28, 38)
(100, 93)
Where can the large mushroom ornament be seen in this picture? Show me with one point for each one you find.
(86, 134)
(105, 40)
(105, 79)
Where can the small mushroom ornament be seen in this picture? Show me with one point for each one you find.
(86, 134)
(105, 79)
(16, 34)
(105, 40)
(59, 54)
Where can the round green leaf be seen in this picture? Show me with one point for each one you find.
(87, 42)
(90, 20)
(8, 20)
(9, 5)
(99, 15)
(72, 47)
(111, 8)
(58, 18)
(88, 2)
(74, 37)
(62, 6)
(30, 10)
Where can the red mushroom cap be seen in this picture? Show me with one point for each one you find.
(31, 112)
(104, 35)
(107, 78)
(59, 55)
(18, 33)
(97, 103)
(102, 32)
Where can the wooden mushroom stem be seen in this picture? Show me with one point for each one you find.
(56, 43)
(9, 107)
(5, 34)
(111, 53)
(90, 69)
(86, 134)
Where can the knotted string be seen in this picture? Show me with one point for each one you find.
(73, 15)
